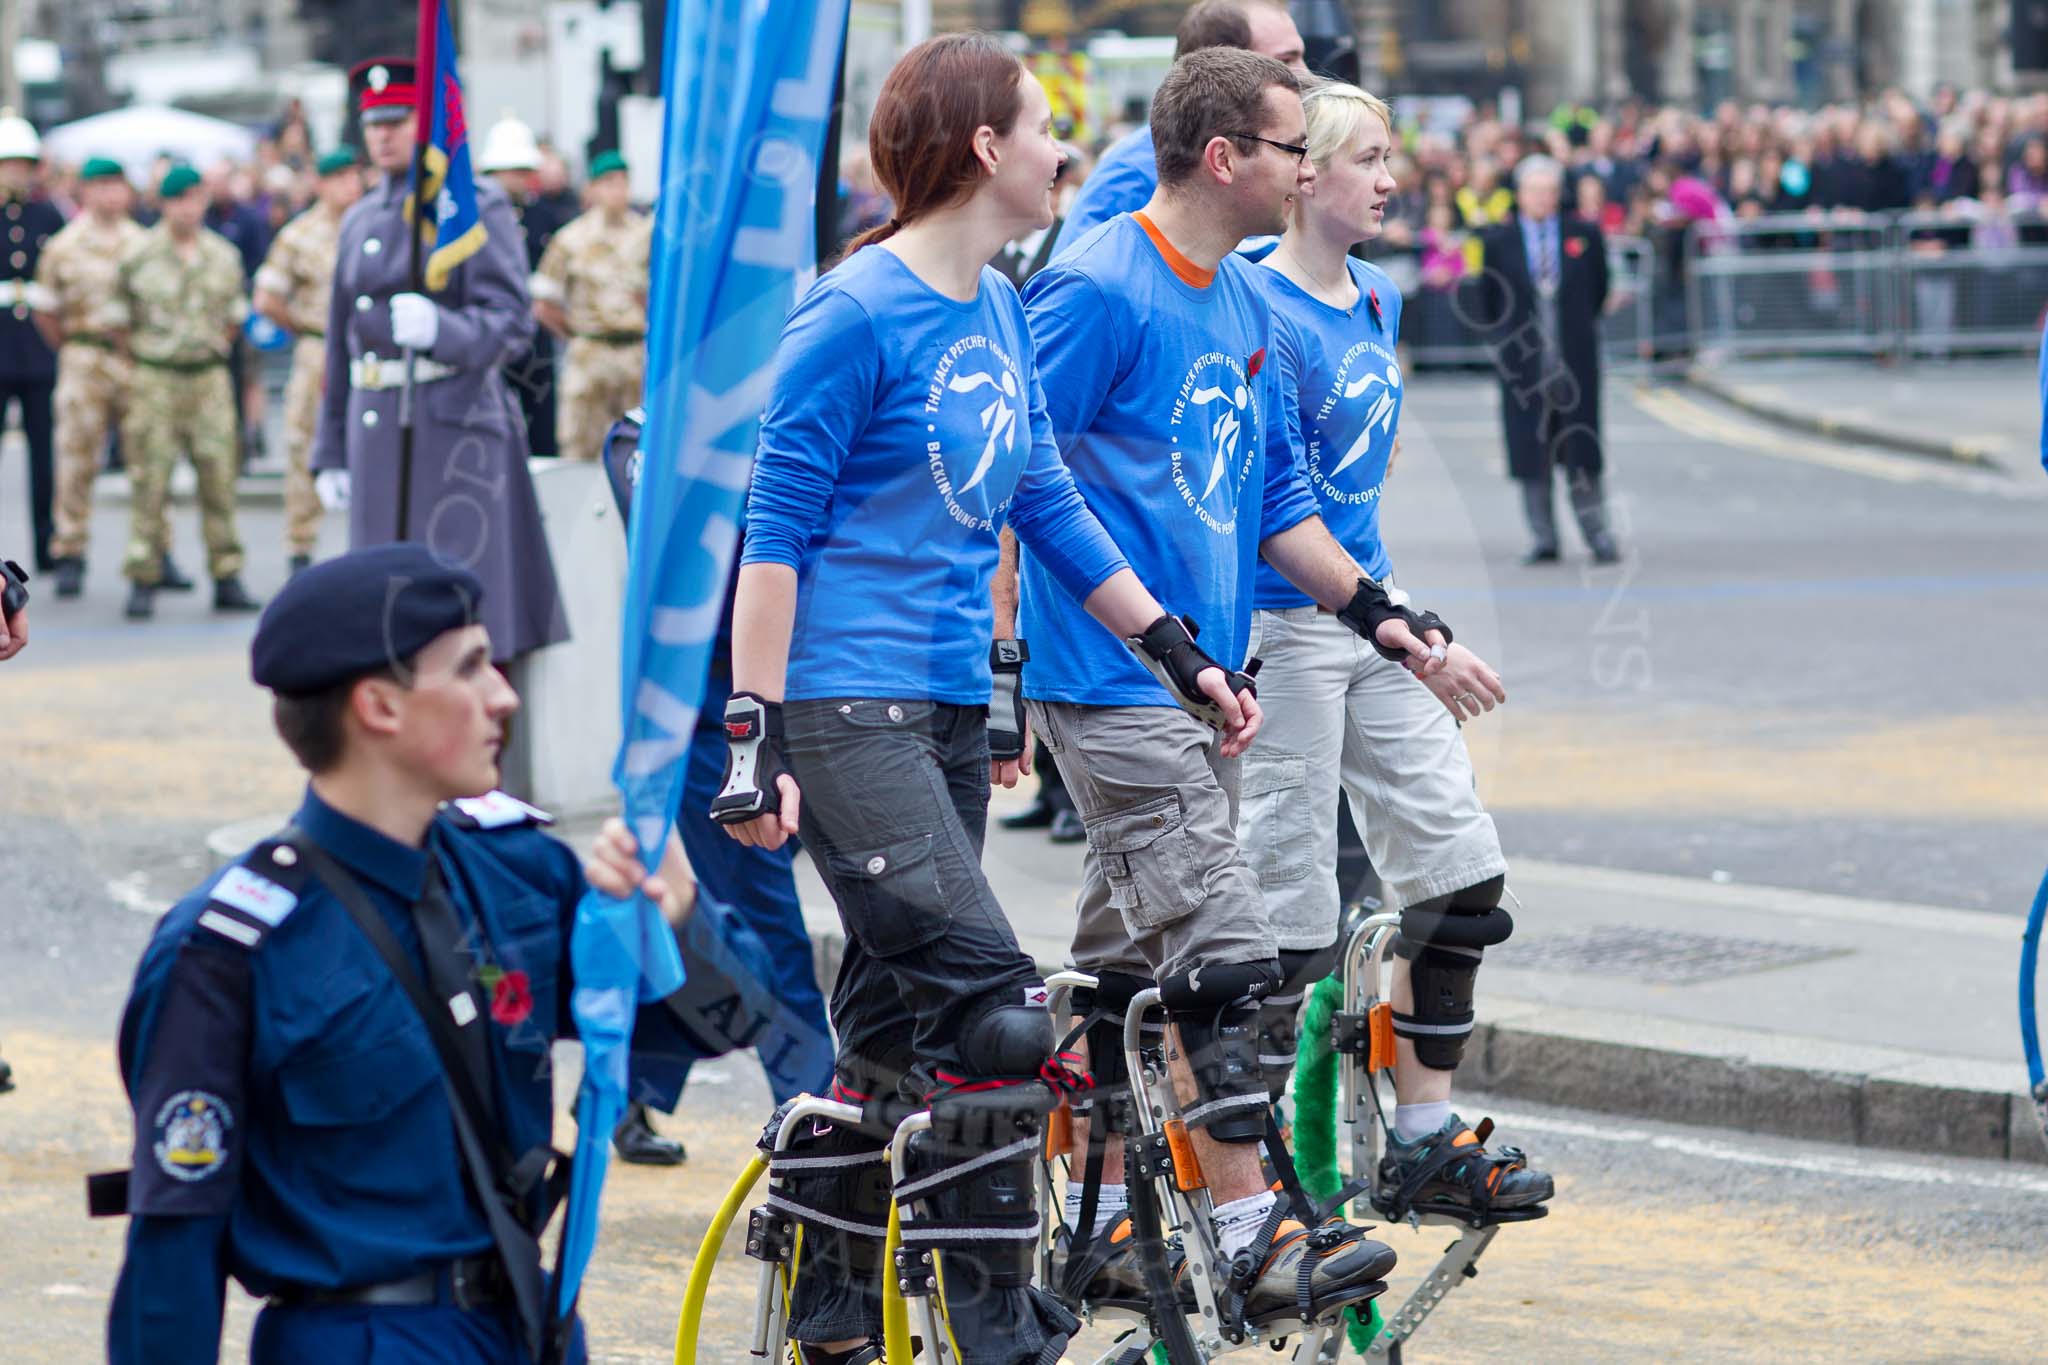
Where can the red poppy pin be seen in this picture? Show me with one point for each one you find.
(1372, 299)
(1255, 364)
(1575, 247)
(511, 999)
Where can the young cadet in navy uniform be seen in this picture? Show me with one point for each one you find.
(293, 1121)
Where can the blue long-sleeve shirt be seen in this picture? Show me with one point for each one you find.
(291, 1123)
(1158, 384)
(1122, 182)
(1339, 410)
(905, 429)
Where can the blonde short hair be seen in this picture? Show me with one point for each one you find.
(1336, 112)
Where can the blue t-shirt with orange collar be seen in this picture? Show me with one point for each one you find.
(1158, 388)
(1340, 408)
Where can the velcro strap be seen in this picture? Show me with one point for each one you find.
(942, 1233)
(782, 1201)
(945, 1179)
(790, 1163)
(1408, 1026)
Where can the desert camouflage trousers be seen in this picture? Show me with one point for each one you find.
(600, 383)
(301, 414)
(93, 383)
(173, 412)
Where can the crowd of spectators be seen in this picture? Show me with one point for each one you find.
(1971, 166)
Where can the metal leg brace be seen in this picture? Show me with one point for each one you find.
(1364, 1038)
(772, 1230)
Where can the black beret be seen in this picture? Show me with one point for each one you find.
(357, 613)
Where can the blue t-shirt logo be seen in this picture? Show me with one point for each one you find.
(1215, 438)
(1368, 386)
(973, 408)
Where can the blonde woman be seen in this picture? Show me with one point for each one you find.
(1346, 720)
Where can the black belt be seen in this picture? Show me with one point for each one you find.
(473, 1282)
(181, 366)
(613, 338)
(88, 339)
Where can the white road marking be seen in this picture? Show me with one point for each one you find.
(1699, 420)
(1846, 1166)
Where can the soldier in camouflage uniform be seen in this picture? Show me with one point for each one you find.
(78, 314)
(180, 292)
(591, 289)
(293, 290)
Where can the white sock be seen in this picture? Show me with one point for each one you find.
(1412, 1121)
(1111, 1203)
(1239, 1221)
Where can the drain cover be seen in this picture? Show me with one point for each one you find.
(1660, 955)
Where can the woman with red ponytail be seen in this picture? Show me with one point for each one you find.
(905, 430)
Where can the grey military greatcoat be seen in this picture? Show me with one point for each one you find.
(473, 501)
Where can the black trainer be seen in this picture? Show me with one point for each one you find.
(70, 576)
(1451, 1172)
(1108, 1274)
(141, 602)
(170, 577)
(639, 1145)
(1305, 1273)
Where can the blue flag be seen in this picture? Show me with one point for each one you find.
(749, 90)
(455, 230)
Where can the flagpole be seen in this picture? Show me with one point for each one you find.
(428, 88)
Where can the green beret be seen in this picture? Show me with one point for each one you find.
(100, 168)
(177, 180)
(606, 163)
(335, 162)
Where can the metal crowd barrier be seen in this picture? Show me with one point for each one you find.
(1891, 284)
(1894, 284)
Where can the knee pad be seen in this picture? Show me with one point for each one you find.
(1443, 940)
(1217, 1010)
(1280, 1014)
(1006, 1042)
(1110, 998)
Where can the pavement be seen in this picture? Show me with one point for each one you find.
(1980, 411)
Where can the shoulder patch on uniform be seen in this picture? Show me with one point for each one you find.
(255, 895)
(495, 810)
(189, 1137)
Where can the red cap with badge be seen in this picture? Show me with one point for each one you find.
(386, 88)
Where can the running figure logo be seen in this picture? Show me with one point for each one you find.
(998, 419)
(976, 401)
(1381, 415)
(1224, 431)
(1213, 436)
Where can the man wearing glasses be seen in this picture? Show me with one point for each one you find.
(1152, 344)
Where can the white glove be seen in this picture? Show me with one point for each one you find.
(415, 322)
(332, 487)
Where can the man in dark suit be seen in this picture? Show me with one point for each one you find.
(1536, 303)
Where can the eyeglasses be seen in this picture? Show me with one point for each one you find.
(1298, 152)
